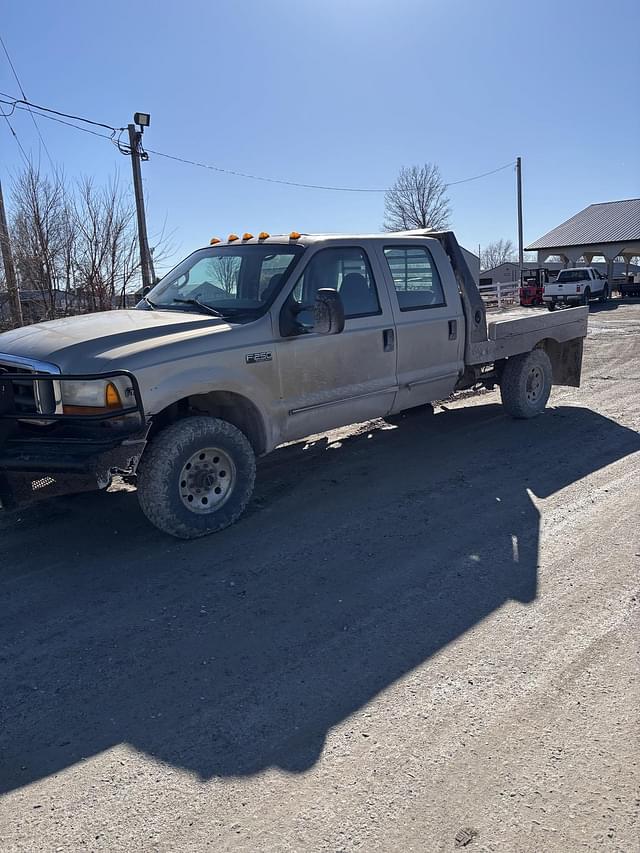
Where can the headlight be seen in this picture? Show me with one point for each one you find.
(96, 396)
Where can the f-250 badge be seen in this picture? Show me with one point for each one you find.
(255, 357)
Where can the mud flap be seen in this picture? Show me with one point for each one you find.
(566, 361)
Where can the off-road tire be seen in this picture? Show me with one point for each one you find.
(525, 384)
(159, 475)
(604, 297)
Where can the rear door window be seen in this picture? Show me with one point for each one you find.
(415, 276)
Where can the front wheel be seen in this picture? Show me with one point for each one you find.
(604, 296)
(525, 384)
(196, 477)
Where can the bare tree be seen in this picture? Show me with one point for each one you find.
(105, 253)
(417, 199)
(496, 253)
(75, 244)
(224, 269)
(40, 211)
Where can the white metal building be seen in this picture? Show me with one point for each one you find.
(608, 230)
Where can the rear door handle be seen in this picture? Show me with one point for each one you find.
(388, 340)
(453, 330)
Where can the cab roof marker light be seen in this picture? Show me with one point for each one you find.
(214, 240)
(263, 235)
(232, 237)
(247, 236)
(295, 235)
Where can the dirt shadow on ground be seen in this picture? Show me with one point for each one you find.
(358, 561)
(612, 305)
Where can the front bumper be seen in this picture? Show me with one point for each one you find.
(46, 454)
(31, 470)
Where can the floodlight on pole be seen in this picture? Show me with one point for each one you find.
(142, 119)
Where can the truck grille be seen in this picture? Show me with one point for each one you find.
(23, 390)
(30, 397)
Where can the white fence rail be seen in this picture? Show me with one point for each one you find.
(498, 295)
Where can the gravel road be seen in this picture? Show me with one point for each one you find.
(420, 631)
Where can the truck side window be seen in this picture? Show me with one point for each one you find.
(415, 277)
(345, 269)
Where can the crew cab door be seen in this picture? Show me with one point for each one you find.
(428, 318)
(333, 380)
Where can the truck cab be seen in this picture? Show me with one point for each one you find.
(576, 286)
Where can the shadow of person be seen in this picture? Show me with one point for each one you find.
(358, 561)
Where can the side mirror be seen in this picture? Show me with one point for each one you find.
(328, 312)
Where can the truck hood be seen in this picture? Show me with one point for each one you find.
(94, 342)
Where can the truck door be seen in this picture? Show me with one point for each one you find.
(429, 322)
(333, 380)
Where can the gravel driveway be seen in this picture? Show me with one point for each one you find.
(420, 631)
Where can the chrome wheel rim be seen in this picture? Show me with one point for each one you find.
(535, 384)
(207, 480)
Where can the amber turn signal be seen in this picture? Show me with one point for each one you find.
(232, 237)
(214, 240)
(295, 235)
(247, 236)
(112, 397)
(263, 235)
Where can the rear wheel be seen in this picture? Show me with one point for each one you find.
(525, 384)
(586, 296)
(196, 477)
(551, 306)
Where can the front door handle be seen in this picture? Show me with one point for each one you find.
(388, 340)
(453, 330)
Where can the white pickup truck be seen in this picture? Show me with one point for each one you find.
(252, 342)
(576, 286)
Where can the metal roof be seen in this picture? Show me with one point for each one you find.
(607, 222)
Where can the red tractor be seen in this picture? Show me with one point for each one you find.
(532, 286)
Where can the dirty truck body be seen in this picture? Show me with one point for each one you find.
(251, 343)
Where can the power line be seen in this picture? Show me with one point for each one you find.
(17, 103)
(309, 186)
(22, 92)
(262, 178)
(110, 136)
(24, 104)
(483, 175)
(15, 136)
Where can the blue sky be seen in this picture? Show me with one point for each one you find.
(338, 92)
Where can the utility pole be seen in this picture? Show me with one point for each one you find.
(520, 240)
(135, 139)
(9, 269)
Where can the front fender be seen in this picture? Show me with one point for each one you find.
(161, 388)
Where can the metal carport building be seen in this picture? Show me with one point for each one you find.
(609, 230)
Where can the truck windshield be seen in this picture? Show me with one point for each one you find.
(573, 275)
(228, 280)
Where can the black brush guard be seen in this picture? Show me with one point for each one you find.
(44, 454)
